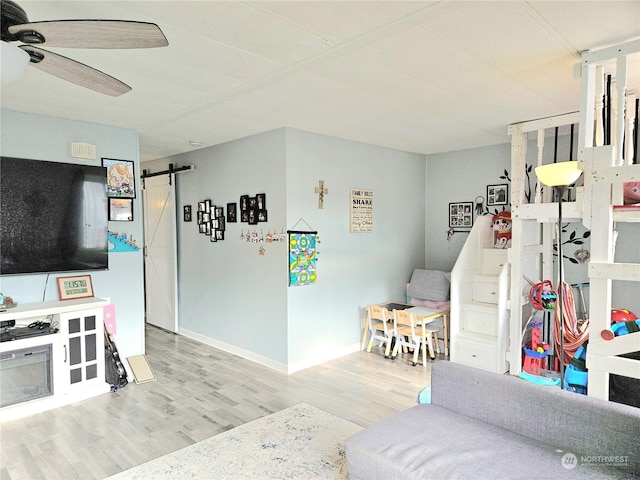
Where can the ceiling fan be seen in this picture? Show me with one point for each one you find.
(15, 27)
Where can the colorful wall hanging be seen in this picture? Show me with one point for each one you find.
(122, 242)
(302, 257)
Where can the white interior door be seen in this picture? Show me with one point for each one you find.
(161, 285)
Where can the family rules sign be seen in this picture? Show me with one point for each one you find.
(361, 210)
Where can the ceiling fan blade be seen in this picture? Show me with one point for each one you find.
(91, 34)
(75, 72)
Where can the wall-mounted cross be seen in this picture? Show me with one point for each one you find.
(321, 191)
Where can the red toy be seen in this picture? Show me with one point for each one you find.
(502, 227)
(535, 358)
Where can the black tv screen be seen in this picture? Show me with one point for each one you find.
(53, 217)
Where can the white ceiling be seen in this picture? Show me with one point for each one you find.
(424, 76)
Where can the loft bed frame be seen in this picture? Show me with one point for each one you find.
(606, 155)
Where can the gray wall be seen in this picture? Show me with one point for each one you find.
(233, 298)
(49, 138)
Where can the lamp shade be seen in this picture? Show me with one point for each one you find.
(558, 174)
(13, 62)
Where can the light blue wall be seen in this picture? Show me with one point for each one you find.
(229, 295)
(354, 269)
(454, 177)
(49, 138)
(238, 300)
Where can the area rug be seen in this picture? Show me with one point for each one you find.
(299, 442)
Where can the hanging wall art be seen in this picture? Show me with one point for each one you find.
(302, 257)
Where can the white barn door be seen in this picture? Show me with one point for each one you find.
(160, 260)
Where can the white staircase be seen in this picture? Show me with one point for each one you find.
(479, 295)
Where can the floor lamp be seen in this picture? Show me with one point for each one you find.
(559, 176)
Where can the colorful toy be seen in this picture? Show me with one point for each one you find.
(535, 355)
(576, 374)
(502, 227)
(543, 296)
(622, 315)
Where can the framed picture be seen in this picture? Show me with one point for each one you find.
(497, 194)
(461, 214)
(221, 225)
(121, 209)
(186, 213)
(261, 201)
(253, 216)
(78, 286)
(232, 213)
(201, 206)
(207, 206)
(262, 215)
(219, 212)
(244, 203)
(121, 180)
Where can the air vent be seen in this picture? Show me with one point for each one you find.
(84, 151)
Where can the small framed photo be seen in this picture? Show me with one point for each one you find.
(120, 209)
(261, 201)
(219, 235)
(262, 215)
(253, 202)
(219, 212)
(461, 214)
(78, 286)
(253, 216)
(201, 206)
(244, 203)
(213, 236)
(121, 180)
(497, 194)
(221, 225)
(232, 213)
(186, 213)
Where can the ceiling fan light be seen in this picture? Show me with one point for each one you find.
(13, 62)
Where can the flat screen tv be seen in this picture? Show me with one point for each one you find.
(53, 217)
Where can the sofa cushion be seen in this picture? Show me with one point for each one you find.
(432, 442)
(429, 285)
(583, 425)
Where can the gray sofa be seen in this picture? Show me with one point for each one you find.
(482, 425)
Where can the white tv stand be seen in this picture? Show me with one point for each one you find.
(77, 352)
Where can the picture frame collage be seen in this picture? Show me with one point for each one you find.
(121, 189)
(210, 218)
(253, 210)
(461, 214)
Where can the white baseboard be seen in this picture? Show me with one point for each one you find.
(241, 352)
(281, 367)
(321, 356)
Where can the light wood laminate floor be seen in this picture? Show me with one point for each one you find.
(200, 391)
